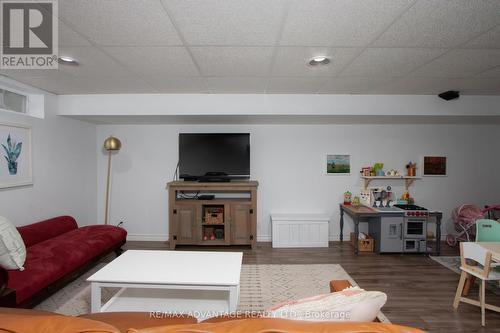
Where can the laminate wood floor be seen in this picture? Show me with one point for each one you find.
(420, 291)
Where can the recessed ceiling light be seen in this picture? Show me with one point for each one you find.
(320, 60)
(65, 60)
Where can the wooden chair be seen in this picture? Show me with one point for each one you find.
(475, 252)
(486, 231)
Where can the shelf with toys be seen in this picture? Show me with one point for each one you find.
(377, 172)
(408, 179)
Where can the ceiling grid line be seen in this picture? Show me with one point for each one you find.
(182, 38)
(406, 9)
(284, 17)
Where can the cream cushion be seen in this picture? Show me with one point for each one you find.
(351, 304)
(12, 248)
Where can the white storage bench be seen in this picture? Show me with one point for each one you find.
(300, 230)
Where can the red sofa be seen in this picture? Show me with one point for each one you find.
(57, 251)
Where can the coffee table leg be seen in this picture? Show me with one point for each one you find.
(233, 298)
(95, 297)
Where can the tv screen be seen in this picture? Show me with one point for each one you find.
(205, 155)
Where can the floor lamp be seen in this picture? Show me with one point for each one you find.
(110, 144)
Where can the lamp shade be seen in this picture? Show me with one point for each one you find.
(112, 143)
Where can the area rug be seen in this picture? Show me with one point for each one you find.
(261, 287)
(453, 263)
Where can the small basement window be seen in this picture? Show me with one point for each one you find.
(12, 101)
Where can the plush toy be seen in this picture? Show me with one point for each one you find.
(347, 198)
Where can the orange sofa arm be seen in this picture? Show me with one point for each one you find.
(339, 285)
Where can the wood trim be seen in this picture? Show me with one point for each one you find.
(8, 298)
(478, 304)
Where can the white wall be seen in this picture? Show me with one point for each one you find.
(64, 170)
(288, 162)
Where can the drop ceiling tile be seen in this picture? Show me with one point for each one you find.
(68, 37)
(390, 61)
(490, 73)
(228, 22)
(438, 23)
(417, 86)
(353, 85)
(235, 85)
(177, 85)
(339, 22)
(233, 61)
(479, 86)
(91, 62)
(111, 84)
(460, 63)
(435, 86)
(295, 85)
(54, 81)
(294, 61)
(488, 40)
(161, 60)
(120, 22)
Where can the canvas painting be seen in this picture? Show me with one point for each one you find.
(338, 164)
(434, 166)
(15, 159)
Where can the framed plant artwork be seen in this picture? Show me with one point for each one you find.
(338, 164)
(434, 166)
(16, 156)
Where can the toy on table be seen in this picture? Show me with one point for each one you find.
(365, 198)
(347, 198)
(355, 201)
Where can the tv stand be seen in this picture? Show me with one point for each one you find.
(229, 218)
(211, 179)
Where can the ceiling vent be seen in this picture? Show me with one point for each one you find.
(12, 101)
(449, 95)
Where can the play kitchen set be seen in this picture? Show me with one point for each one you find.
(395, 224)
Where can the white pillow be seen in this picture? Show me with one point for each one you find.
(350, 304)
(12, 248)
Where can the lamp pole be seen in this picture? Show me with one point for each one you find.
(110, 144)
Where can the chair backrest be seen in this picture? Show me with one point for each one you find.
(474, 251)
(487, 230)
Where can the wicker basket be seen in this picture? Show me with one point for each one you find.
(214, 216)
(364, 245)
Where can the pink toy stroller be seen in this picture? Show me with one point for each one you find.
(465, 218)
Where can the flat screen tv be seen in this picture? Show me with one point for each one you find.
(214, 156)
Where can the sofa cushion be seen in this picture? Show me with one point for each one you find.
(12, 249)
(352, 304)
(139, 320)
(269, 325)
(41, 231)
(50, 260)
(50, 323)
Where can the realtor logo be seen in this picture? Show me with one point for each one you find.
(29, 34)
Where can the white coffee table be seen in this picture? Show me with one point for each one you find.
(185, 282)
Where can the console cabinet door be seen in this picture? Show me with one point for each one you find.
(185, 224)
(241, 222)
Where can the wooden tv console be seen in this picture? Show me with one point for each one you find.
(228, 219)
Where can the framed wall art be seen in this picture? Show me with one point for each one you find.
(16, 156)
(434, 166)
(338, 164)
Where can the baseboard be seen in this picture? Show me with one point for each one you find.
(260, 238)
(264, 238)
(336, 237)
(147, 237)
